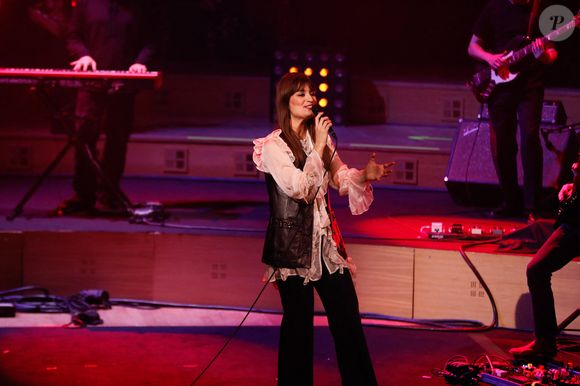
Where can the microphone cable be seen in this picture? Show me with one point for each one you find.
(238, 327)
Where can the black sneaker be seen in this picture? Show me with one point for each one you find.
(110, 204)
(75, 205)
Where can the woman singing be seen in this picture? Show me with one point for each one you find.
(303, 246)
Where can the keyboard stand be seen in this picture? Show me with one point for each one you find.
(57, 112)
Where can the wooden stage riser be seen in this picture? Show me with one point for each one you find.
(430, 103)
(205, 160)
(226, 270)
(189, 99)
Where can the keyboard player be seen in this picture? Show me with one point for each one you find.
(106, 35)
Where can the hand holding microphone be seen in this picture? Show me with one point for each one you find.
(323, 120)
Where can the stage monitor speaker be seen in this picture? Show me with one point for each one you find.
(471, 178)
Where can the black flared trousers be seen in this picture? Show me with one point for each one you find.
(295, 356)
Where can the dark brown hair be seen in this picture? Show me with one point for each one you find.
(287, 86)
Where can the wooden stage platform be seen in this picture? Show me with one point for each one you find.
(212, 255)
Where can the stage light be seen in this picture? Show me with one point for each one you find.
(327, 70)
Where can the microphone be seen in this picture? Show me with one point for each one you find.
(316, 110)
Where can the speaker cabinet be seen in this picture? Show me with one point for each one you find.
(471, 178)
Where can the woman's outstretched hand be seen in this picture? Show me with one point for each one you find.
(375, 171)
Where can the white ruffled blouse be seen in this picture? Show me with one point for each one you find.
(272, 155)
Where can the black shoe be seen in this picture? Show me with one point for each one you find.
(110, 203)
(507, 212)
(539, 348)
(75, 205)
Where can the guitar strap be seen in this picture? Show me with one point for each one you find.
(336, 235)
(533, 17)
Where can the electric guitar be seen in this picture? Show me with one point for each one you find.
(484, 81)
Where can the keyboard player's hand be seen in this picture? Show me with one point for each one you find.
(138, 68)
(85, 63)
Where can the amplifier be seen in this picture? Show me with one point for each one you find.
(471, 178)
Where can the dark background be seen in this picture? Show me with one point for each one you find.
(409, 40)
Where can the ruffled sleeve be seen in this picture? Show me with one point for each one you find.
(272, 155)
(360, 194)
(259, 149)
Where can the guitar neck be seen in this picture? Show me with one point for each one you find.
(520, 54)
(527, 50)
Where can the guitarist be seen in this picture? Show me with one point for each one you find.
(560, 248)
(500, 28)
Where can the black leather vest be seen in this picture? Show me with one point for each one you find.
(288, 241)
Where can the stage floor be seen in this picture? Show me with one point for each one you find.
(395, 217)
(170, 346)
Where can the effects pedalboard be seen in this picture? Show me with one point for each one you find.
(439, 231)
(531, 375)
(509, 373)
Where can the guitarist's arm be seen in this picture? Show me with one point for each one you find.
(476, 51)
(566, 192)
(545, 53)
(568, 189)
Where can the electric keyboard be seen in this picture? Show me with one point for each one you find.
(75, 79)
